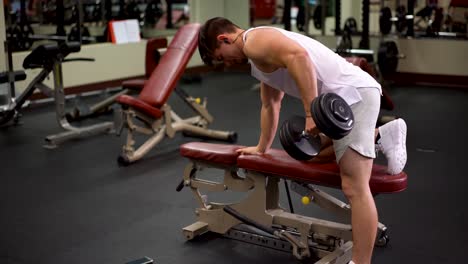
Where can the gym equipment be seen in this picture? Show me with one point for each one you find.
(79, 32)
(17, 76)
(317, 17)
(345, 43)
(151, 108)
(22, 34)
(388, 56)
(17, 33)
(50, 57)
(8, 79)
(350, 25)
(365, 41)
(7, 100)
(296, 142)
(333, 117)
(301, 146)
(304, 236)
(337, 17)
(386, 19)
(153, 12)
(154, 48)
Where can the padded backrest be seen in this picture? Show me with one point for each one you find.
(152, 55)
(45, 54)
(41, 55)
(171, 66)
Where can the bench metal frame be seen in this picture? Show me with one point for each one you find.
(327, 241)
(167, 125)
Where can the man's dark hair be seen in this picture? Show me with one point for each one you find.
(207, 41)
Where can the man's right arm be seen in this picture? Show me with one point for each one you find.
(269, 116)
(271, 105)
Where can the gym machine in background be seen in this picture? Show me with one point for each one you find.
(85, 20)
(48, 58)
(431, 21)
(388, 53)
(21, 35)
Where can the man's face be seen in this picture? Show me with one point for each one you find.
(229, 55)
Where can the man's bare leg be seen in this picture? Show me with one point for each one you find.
(327, 153)
(355, 171)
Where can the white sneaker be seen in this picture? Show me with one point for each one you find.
(392, 143)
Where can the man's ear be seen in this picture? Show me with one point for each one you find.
(223, 38)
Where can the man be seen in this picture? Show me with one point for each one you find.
(287, 62)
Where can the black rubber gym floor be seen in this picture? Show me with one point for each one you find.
(74, 204)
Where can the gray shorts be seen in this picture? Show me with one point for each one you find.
(361, 138)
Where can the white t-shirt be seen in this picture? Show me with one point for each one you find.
(334, 73)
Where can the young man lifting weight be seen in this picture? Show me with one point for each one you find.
(291, 63)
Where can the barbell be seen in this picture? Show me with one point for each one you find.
(333, 117)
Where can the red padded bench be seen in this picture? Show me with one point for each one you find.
(152, 57)
(261, 207)
(164, 78)
(279, 163)
(150, 114)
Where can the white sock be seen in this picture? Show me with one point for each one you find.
(351, 262)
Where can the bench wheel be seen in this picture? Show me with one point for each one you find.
(232, 138)
(122, 161)
(6, 116)
(383, 240)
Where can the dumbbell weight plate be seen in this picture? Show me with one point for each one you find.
(350, 25)
(385, 22)
(294, 143)
(332, 115)
(317, 17)
(387, 58)
(338, 112)
(401, 23)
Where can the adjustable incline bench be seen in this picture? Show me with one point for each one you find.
(306, 237)
(155, 114)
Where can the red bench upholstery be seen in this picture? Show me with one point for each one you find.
(164, 78)
(459, 3)
(277, 162)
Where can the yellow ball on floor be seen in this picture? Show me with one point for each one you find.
(305, 200)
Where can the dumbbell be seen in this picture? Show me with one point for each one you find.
(386, 19)
(333, 117)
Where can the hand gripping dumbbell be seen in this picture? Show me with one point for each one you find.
(333, 117)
